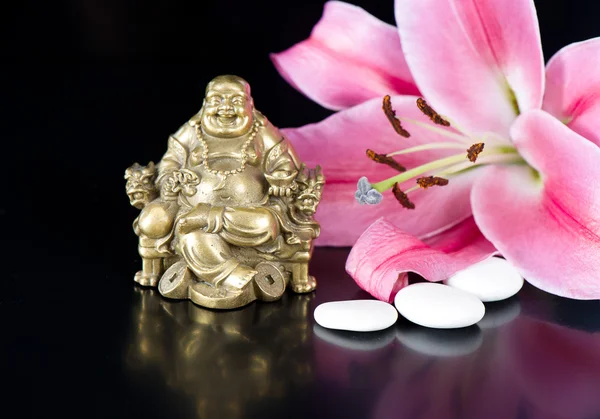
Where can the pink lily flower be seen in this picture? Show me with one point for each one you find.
(530, 195)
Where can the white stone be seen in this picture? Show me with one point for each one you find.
(493, 279)
(356, 315)
(438, 306)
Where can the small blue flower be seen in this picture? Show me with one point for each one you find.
(366, 194)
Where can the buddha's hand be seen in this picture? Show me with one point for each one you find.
(196, 219)
(282, 191)
(282, 183)
(168, 189)
(180, 181)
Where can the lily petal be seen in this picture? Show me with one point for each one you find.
(339, 143)
(547, 225)
(384, 254)
(477, 61)
(573, 87)
(350, 57)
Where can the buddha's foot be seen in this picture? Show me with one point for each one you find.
(239, 278)
(207, 295)
(147, 280)
(302, 287)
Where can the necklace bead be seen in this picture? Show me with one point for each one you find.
(225, 173)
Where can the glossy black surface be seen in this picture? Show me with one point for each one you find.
(89, 87)
(119, 350)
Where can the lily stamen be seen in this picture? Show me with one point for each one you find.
(391, 116)
(402, 197)
(385, 159)
(428, 111)
(451, 165)
(474, 151)
(459, 137)
(507, 158)
(419, 170)
(429, 181)
(433, 173)
(422, 183)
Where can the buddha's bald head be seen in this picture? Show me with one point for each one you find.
(229, 81)
(227, 108)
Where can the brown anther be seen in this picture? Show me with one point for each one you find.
(429, 112)
(391, 116)
(402, 197)
(383, 159)
(474, 150)
(427, 181)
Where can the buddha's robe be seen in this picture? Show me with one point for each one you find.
(236, 209)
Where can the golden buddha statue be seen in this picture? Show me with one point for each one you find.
(227, 214)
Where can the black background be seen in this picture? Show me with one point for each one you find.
(88, 88)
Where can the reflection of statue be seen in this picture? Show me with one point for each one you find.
(233, 219)
(226, 363)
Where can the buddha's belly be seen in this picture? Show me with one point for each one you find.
(241, 189)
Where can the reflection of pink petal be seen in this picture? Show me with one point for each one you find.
(384, 254)
(349, 58)
(467, 55)
(488, 385)
(476, 386)
(339, 144)
(573, 88)
(426, 388)
(556, 368)
(547, 225)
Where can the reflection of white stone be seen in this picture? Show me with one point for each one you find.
(357, 315)
(493, 279)
(438, 306)
(500, 313)
(436, 342)
(355, 341)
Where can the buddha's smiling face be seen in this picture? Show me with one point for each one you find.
(227, 109)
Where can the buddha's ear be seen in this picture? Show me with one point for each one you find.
(259, 117)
